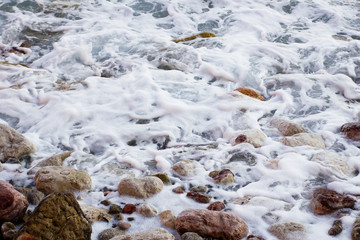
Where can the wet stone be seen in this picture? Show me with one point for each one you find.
(201, 189)
(355, 232)
(115, 209)
(105, 202)
(287, 230)
(199, 197)
(119, 217)
(33, 196)
(216, 206)
(152, 234)
(351, 130)
(164, 178)
(8, 230)
(336, 228)
(191, 236)
(140, 187)
(287, 127)
(326, 201)
(124, 225)
(107, 234)
(178, 190)
(251, 93)
(147, 210)
(222, 176)
(253, 237)
(129, 209)
(167, 218)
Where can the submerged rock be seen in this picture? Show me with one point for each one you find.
(152, 234)
(251, 93)
(58, 216)
(288, 230)
(13, 144)
(253, 136)
(61, 178)
(199, 197)
(333, 161)
(214, 224)
(13, 204)
(187, 168)
(222, 176)
(302, 139)
(287, 127)
(191, 236)
(193, 37)
(140, 187)
(325, 201)
(351, 130)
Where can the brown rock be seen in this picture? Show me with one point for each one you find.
(129, 209)
(140, 187)
(56, 160)
(8, 230)
(326, 201)
(201, 189)
(191, 236)
(152, 234)
(167, 218)
(61, 178)
(216, 206)
(13, 144)
(351, 130)
(251, 93)
(287, 230)
(58, 216)
(222, 176)
(199, 197)
(253, 237)
(336, 228)
(164, 177)
(124, 225)
(115, 209)
(187, 168)
(355, 232)
(107, 234)
(287, 127)
(178, 190)
(215, 224)
(13, 204)
(26, 236)
(147, 210)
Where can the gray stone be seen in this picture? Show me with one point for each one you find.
(33, 196)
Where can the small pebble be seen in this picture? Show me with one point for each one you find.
(129, 209)
(178, 190)
(115, 209)
(124, 225)
(105, 202)
(119, 217)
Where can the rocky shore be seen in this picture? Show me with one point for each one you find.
(57, 212)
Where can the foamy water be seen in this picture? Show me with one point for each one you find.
(106, 81)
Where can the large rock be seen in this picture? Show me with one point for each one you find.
(287, 127)
(13, 144)
(333, 161)
(187, 168)
(325, 201)
(61, 178)
(253, 136)
(302, 139)
(58, 216)
(95, 214)
(214, 224)
(167, 218)
(152, 234)
(13, 204)
(288, 231)
(351, 130)
(56, 160)
(140, 187)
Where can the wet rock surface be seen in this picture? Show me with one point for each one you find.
(287, 127)
(303, 139)
(215, 224)
(152, 234)
(186, 168)
(58, 216)
(13, 204)
(191, 236)
(8, 230)
(147, 210)
(140, 187)
(336, 228)
(253, 136)
(61, 178)
(95, 214)
(288, 230)
(13, 144)
(355, 232)
(222, 176)
(216, 206)
(325, 201)
(351, 130)
(33, 196)
(199, 197)
(107, 234)
(167, 218)
(251, 93)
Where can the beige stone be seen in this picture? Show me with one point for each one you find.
(152, 234)
(333, 161)
(95, 214)
(303, 139)
(253, 136)
(287, 127)
(187, 168)
(167, 218)
(140, 187)
(147, 210)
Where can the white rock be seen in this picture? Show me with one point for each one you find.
(302, 139)
(253, 136)
(333, 161)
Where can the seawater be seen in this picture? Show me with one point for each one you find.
(105, 80)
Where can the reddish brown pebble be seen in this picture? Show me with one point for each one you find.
(251, 93)
(216, 206)
(124, 225)
(326, 201)
(178, 190)
(336, 228)
(199, 197)
(351, 130)
(26, 236)
(240, 139)
(129, 208)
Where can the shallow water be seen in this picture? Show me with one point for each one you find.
(106, 81)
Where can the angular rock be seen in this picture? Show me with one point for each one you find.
(199, 197)
(325, 201)
(351, 130)
(191, 236)
(164, 177)
(288, 230)
(61, 178)
(56, 160)
(8, 230)
(302, 139)
(13, 204)
(186, 168)
(140, 187)
(287, 127)
(178, 190)
(107, 234)
(333, 161)
(222, 176)
(95, 214)
(13, 144)
(124, 225)
(216, 206)
(129, 208)
(167, 218)
(152, 234)
(336, 228)
(33, 196)
(147, 210)
(355, 232)
(58, 216)
(253, 136)
(215, 224)
(251, 93)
